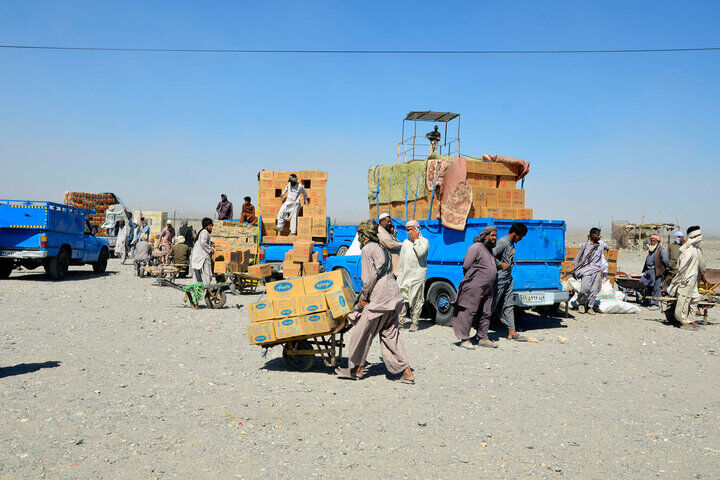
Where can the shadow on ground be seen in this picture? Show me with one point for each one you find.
(23, 368)
(72, 275)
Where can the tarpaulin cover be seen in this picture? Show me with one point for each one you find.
(397, 183)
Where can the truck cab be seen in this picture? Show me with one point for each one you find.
(48, 234)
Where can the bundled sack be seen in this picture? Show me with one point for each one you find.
(396, 183)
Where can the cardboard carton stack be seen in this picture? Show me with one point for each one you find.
(235, 246)
(571, 252)
(154, 218)
(301, 260)
(312, 219)
(495, 195)
(300, 306)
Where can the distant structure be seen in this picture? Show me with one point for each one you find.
(637, 235)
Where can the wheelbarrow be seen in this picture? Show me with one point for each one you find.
(214, 294)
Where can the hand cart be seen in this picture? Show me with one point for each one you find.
(299, 352)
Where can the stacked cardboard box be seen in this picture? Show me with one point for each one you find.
(495, 195)
(154, 218)
(312, 219)
(301, 260)
(235, 246)
(571, 252)
(301, 306)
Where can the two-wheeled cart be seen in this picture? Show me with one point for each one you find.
(299, 352)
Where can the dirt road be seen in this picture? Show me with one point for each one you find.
(110, 377)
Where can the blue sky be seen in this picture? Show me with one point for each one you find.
(607, 135)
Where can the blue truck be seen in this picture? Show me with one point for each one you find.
(339, 238)
(47, 234)
(536, 274)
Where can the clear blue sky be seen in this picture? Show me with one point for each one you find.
(606, 135)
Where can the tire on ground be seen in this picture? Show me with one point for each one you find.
(101, 265)
(58, 266)
(439, 299)
(6, 267)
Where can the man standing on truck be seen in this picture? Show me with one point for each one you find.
(475, 292)
(291, 204)
(588, 269)
(248, 212)
(388, 240)
(434, 138)
(503, 305)
(380, 303)
(224, 208)
(412, 272)
(200, 257)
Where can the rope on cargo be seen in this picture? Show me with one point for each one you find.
(417, 189)
(389, 188)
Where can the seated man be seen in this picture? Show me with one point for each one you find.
(180, 255)
(248, 212)
(143, 252)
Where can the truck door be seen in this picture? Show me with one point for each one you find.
(90, 248)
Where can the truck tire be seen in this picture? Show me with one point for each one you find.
(342, 250)
(5, 268)
(347, 278)
(58, 266)
(440, 297)
(101, 265)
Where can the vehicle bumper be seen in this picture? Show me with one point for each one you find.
(537, 298)
(21, 254)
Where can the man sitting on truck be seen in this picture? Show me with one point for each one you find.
(504, 253)
(588, 269)
(291, 204)
(475, 292)
(248, 212)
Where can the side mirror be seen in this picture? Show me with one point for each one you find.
(93, 230)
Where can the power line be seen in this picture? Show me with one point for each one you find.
(361, 52)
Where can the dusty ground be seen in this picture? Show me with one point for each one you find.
(110, 377)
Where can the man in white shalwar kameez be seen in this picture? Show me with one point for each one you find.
(691, 264)
(200, 262)
(291, 204)
(412, 272)
(120, 247)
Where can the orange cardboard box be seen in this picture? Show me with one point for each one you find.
(504, 169)
(482, 180)
(292, 269)
(219, 266)
(302, 251)
(506, 181)
(524, 213)
(266, 175)
(518, 200)
(311, 268)
(262, 271)
(505, 197)
(479, 167)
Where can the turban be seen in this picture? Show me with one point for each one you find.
(656, 238)
(180, 239)
(485, 232)
(206, 222)
(367, 232)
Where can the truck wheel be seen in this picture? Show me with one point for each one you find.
(58, 266)
(440, 297)
(101, 265)
(5, 269)
(347, 279)
(342, 250)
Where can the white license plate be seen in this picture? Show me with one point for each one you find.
(529, 298)
(11, 253)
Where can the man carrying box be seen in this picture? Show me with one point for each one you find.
(380, 303)
(291, 204)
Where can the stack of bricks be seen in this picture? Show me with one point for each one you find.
(301, 260)
(571, 252)
(495, 195)
(235, 246)
(308, 306)
(312, 219)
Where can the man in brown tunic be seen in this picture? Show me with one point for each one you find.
(388, 240)
(248, 212)
(475, 294)
(380, 303)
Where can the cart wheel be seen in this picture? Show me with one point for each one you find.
(215, 298)
(300, 363)
(220, 277)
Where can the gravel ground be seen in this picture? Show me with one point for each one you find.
(110, 377)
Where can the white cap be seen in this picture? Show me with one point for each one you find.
(412, 223)
(169, 222)
(383, 215)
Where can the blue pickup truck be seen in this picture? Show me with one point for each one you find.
(339, 238)
(47, 234)
(536, 274)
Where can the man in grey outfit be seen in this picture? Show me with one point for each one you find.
(504, 253)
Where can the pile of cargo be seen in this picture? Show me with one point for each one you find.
(571, 252)
(301, 260)
(155, 219)
(311, 305)
(405, 195)
(92, 201)
(312, 219)
(235, 246)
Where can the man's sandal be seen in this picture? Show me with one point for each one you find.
(518, 338)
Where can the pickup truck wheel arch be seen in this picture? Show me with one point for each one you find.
(439, 299)
(342, 249)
